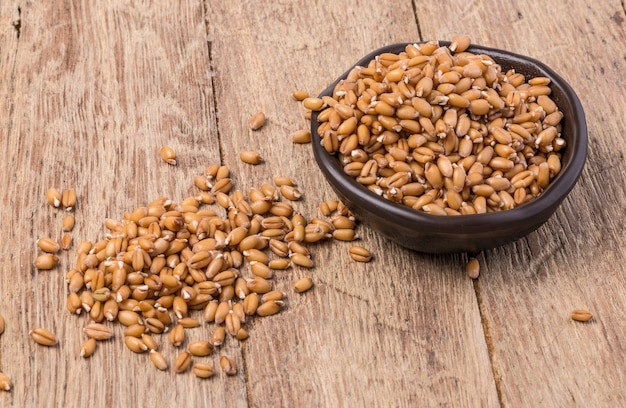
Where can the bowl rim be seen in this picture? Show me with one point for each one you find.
(551, 197)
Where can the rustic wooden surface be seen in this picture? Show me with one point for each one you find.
(90, 90)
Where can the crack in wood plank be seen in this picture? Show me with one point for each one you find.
(17, 23)
(209, 42)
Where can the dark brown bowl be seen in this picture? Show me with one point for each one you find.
(465, 233)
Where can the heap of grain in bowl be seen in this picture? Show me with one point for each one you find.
(443, 130)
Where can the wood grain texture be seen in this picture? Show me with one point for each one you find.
(89, 92)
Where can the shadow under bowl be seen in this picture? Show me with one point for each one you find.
(428, 233)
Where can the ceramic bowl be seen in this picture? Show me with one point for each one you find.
(428, 233)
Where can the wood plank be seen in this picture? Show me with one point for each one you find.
(9, 37)
(575, 260)
(400, 331)
(99, 87)
(9, 22)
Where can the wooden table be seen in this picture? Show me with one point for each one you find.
(89, 92)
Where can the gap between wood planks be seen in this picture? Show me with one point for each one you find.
(417, 22)
(209, 42)
(495, 368)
